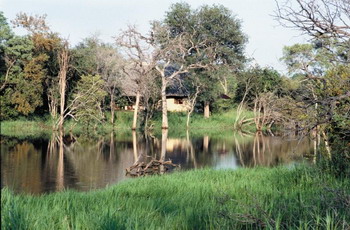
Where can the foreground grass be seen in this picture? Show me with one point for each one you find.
(278, 198)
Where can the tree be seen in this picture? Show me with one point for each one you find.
(192, 98)
(327, 23)
(172, 53)
(63, 60)
(210, 26)
(258, 88)
(6, 63)
(16, 53)
(28, 91)
(109, 66)
(326, 19)
(139, 76)
(85, 104)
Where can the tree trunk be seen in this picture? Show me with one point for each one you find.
(206, 110)
(326, 142)
(164, 104)
(188, 120)
(112, 108)
(52, 102)
(63, 59)
(134, 123)
(62, 95)
(164, 144)
(60, 165)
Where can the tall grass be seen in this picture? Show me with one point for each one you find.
(278, 198)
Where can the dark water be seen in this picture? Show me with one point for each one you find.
(59, 162)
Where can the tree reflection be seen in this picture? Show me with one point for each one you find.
(190, 149)
(60, 165)
(86, 163)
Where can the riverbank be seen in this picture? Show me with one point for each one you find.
(214, 125)
(278, 198)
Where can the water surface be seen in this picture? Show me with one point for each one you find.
(41, 165)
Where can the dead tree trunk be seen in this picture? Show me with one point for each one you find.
(134, 123)
(164, 104)
(63, 59)
(241, 105)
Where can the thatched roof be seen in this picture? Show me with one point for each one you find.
(176, 89)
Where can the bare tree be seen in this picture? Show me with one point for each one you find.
(164, 53)
(82, 99)
(192, 99)
(239, 121)
(139, 66)
(327, 22)
(265, 112)
(109, 67)
(170, 55)
(317, 18)
(63, 60)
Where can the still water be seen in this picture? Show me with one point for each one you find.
(41, 165)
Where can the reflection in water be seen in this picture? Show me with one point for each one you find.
(38, 166)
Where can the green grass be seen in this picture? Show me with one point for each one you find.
(41, 127)
(25, 128)
(279, 198)
(216, 125)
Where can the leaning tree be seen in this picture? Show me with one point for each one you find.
(324, 64)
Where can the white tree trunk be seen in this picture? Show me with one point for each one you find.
(206, 110)
(164, 104)
(134, 123)
(112, 108)
(63, 59)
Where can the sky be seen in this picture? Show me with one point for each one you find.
(78, 19)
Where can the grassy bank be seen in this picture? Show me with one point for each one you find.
(278, 198)
(215, 125)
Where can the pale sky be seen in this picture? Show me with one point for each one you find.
(78, 19)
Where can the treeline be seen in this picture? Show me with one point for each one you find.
(200, 49)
